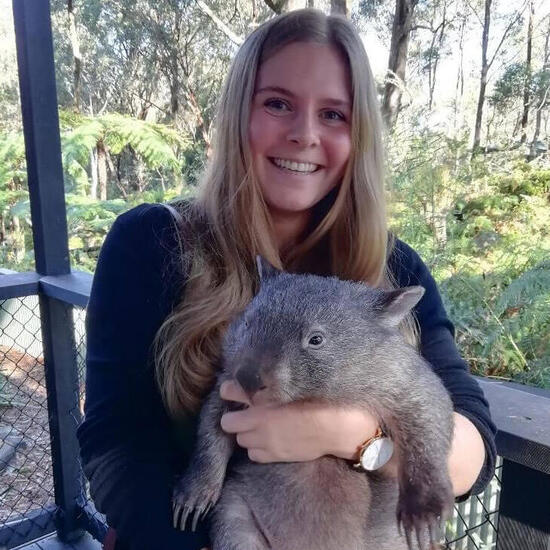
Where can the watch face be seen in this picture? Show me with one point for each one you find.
(377, 454)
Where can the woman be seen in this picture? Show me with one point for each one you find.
(296, 176)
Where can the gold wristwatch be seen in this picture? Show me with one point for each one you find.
(375, 452)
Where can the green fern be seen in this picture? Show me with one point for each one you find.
(529, 288)
(12, 160)
(157, 144)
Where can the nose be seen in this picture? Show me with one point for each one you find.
(250, 378)
(304, 131)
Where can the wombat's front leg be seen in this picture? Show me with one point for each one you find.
(200, 486)
(425, 431)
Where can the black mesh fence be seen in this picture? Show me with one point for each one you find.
(25, 461)
(27, 501)
(27, 484)
(474, 522)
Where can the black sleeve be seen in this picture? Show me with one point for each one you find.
(127, 447)
(438, 347)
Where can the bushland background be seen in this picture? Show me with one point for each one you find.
(465, 93)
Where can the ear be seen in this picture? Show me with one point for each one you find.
(397, 303)
(265, 269)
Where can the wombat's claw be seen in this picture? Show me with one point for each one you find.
(406, 525)
(181, 513)
(200, 511)
(176, 515)
(432, 523)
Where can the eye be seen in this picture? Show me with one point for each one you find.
(276, 105)
(333, 115)
(316, 340)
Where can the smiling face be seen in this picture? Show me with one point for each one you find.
(300, 126)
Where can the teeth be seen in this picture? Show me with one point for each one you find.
(296, 166)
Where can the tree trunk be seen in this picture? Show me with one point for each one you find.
(459, 90)
(545, 67)
(18, 240)
(433, 70)
(93, 171)
(77, 57)
(483, 78)
(174, 91)
(527, 85)
(102, 170)
(397, 63)
(340, 7)
(200, 124)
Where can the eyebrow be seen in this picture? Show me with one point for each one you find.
(284, 91)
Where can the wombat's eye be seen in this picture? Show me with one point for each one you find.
(316, 340)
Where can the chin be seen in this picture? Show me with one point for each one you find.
(293, 207)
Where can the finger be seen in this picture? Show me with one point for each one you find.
(251, 439)
(232, 391)
(238, 421)
(259, 455)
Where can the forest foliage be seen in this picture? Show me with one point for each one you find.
(465, 93)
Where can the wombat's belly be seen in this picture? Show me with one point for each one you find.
(321, 505)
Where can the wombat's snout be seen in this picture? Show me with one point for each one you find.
(250, 378)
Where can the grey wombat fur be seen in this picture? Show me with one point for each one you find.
(362, 362)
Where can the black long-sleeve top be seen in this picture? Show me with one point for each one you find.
(130, 449)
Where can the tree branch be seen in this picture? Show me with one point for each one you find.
(236, 39)
(475, 13)
(508, 28)
(425, 27)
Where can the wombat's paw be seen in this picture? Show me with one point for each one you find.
(420, 509)
(190, 497)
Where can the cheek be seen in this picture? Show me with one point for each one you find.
(340, 148)
(262, 131)
(255, 133)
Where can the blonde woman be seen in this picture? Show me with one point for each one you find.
(296, 176)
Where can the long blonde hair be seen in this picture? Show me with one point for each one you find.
(228, 224)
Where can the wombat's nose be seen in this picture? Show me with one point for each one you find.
(250, 379)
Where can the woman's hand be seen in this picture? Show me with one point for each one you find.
(306, 431)
(296, 432)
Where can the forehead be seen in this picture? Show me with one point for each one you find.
(307, 69)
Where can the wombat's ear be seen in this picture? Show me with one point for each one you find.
(265, 269)
(397, 303)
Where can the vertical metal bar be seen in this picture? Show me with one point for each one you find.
(473, 521)
(64, 414)
(45, 178)
(461, 527)
(524, 511)
(486, 507)
(33, 36)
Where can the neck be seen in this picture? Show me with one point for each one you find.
(289, 229)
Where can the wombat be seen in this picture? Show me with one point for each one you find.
(306, 337)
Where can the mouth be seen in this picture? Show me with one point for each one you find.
(294, 167)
